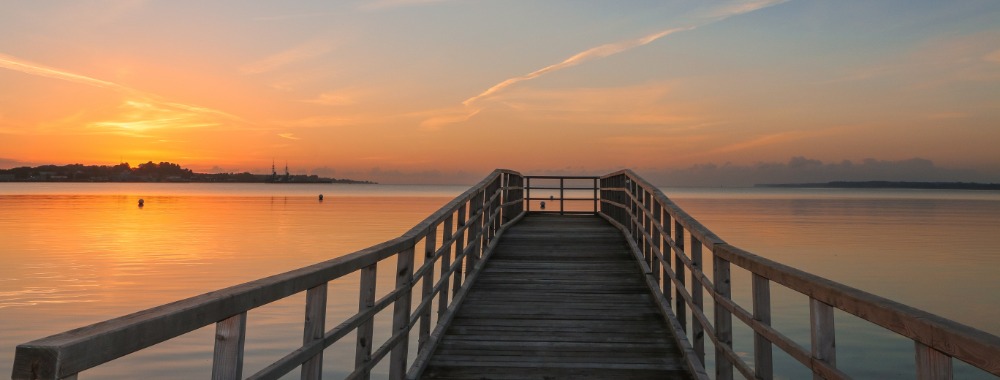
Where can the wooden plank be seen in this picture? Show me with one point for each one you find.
(824, 347)
(313, 330)
(230, 337)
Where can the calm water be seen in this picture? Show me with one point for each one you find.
(75, 254)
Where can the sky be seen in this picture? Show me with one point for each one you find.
(700, 93)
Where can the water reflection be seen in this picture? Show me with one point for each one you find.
(68, 260)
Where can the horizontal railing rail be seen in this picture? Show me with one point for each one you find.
(469, 226)
(646, 216)
(592, 189)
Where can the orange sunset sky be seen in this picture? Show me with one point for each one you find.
(686, 92)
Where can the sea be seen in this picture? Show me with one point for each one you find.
(73, 254)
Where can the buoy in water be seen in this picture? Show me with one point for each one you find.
(321, 197)
(141, 202)
(543, 205)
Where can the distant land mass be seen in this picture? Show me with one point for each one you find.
(888, 185)
(151, 172)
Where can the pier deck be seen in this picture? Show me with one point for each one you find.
(561, 297)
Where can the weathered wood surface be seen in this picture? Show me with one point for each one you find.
(561, 298)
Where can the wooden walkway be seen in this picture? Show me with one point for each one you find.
(562, 297)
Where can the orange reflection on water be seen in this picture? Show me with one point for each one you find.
(68, 261)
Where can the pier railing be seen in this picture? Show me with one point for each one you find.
(469, 227)
(581, 189)
(670, 243)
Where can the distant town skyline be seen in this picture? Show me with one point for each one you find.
(689, 93)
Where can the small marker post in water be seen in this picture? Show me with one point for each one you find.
(141, 202)
(321, 197)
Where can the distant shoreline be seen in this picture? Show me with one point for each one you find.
(886, 185)
(164, 172)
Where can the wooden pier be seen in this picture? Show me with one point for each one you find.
(609, 284)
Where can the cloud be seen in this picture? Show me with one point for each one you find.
(289, 136)
(138, 117)
(447, 117)
(641, 105)
(302, 52)
(610, 49)
(141, 110)
(805, 170)
(7, 163)
(391, 4)
(15, 64)
(739, 7)
(598, 52)
(602, 51)
(337, 98)
(993, 57)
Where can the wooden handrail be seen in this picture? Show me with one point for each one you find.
(491, 207)
(644, 214)
(562, 198)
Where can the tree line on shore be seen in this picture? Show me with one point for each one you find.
(148, 172)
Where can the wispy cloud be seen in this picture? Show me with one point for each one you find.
(345, 97)
(441, 118)
(290, 136)
(739, 7)
(302, 52)
(12, 63)
(390, 4)
(294, 16)
(602, 51)
(140, 111)
(138, 117)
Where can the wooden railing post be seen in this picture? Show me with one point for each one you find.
(230, 336)
(313, 330)
(824, 346)
(527, 191)
(667, 254)
(401, 314)
(697, 297)
(366, 330)
(647, 200)
(446, 235)
(680, 307)
(562, 196)
(596, 194)
(459, 248)
(723, 318)
(762, 359)
(430, 247)
(932, 364)
(657, 241)
(475, 238)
